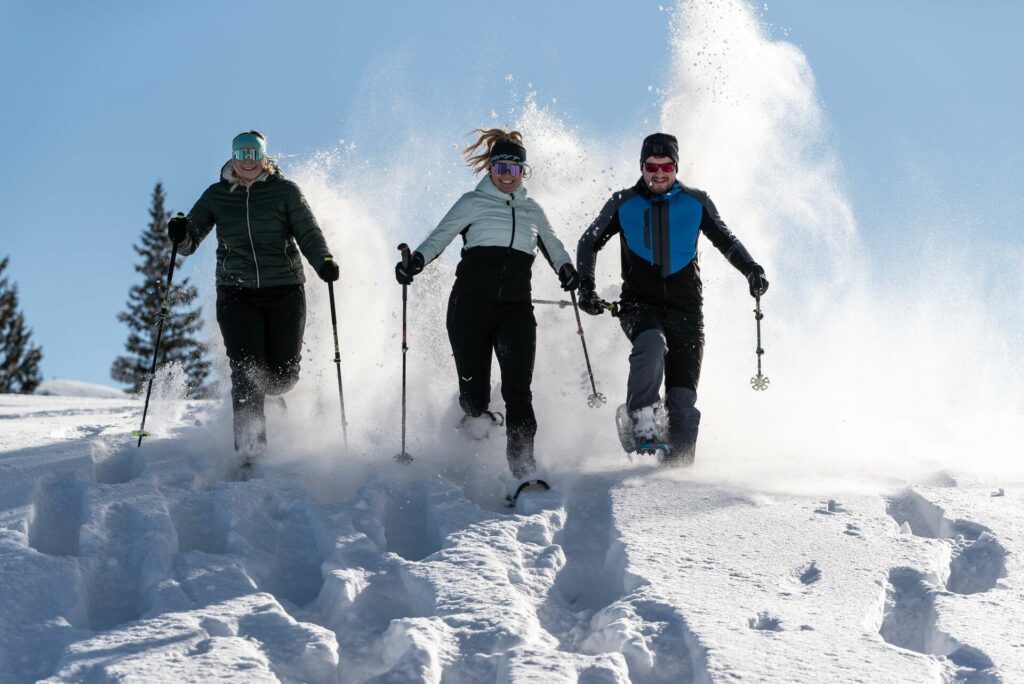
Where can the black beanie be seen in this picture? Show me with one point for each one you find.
(506, 150)
(660, 145)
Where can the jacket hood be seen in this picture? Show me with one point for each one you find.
(488, 188)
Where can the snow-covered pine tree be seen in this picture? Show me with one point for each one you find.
(179, 343)
(19, 359)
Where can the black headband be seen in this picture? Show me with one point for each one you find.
(506, 150)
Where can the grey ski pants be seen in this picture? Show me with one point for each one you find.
(668, 347)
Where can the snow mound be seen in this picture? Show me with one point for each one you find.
(77, 388)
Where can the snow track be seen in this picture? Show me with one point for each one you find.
(966, 560)
(58, 507)
(140, 565)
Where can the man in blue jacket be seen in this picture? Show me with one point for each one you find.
(658, 221)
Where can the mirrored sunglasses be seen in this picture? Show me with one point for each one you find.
(248, 153)
(501, 168)
(667, 167)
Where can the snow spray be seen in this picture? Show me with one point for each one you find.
(867, 378)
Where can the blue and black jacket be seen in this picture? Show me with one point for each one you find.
(659, 243)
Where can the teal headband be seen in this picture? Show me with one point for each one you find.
(251, 139)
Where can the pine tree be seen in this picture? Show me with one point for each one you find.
(178, 343)
(19, 360)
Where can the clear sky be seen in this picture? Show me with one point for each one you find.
(102, 99)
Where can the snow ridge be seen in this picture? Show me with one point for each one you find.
(969, 561)
(161, 568)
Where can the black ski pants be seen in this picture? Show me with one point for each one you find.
(668, 346)
(478, 328)
(262, 330)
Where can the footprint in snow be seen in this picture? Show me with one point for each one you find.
(809, 573)
(830, 507)
(765, 622)
(978, 559)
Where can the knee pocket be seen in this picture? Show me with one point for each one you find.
(650, 342)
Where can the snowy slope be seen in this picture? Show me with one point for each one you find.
(76, 388)
(129, 564)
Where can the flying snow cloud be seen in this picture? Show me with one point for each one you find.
(872, 371)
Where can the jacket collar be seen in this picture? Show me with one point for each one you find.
(487, 187)
(228, 174)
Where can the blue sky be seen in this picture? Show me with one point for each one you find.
(103, 99)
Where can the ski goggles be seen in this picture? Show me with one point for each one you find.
(248, 154)
(501, 168)
(667, 167)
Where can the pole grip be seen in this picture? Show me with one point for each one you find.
(404, 249)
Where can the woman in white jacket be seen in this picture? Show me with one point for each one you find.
(489, 309)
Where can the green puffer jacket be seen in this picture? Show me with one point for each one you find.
(257, 231)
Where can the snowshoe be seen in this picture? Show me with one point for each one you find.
(248, 465)
(653, 448)
(246, 470)
(653, 440)
(624, 426)
(534, 485)
(479, 427)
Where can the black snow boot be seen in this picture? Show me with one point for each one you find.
(519, 452)
(680, 455)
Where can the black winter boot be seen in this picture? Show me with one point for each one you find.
(519, 451)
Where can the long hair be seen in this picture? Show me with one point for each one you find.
(478, 155)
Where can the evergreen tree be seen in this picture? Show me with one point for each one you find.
(19, 360)
(145, 302)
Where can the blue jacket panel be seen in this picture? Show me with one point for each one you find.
(638, 215)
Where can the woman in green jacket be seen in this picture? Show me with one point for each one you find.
(263, 222)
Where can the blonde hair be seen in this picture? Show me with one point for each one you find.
(480, 159)
(270, 166)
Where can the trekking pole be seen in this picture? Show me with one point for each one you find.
(165, 310)
(403, 456)
(760, 381)
(560, 303)
(613, 307)
(337, 362)
(596, 399)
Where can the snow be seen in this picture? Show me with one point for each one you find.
(128, 564)
(859, 521)
(77, 388)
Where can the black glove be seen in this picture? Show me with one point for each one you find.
(589, 301)
(329, 271)
(405, 274)
(758, 283)
(569, 277)
(177, 229)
